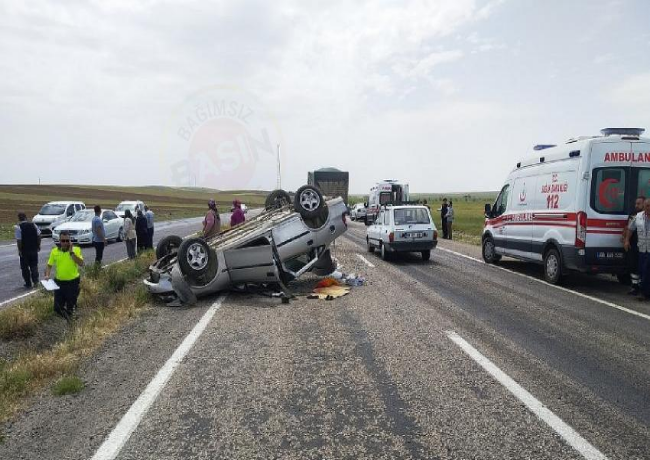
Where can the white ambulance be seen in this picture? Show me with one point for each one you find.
(567, 206)
(383, 193)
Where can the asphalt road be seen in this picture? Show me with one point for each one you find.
(11, 281)
(445, 359)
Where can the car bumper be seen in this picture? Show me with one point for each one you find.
(162, 286)
(411, 246)
(77, 239)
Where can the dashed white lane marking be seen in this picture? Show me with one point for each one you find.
(366, 261)
(579, 294)
(567, 433)
(116, 440)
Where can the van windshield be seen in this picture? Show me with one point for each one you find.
(52, 210)
(411, 216)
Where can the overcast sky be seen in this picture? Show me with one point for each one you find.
(446, 95)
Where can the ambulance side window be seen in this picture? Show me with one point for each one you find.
(502, 201)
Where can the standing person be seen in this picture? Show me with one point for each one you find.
(641, 225)
(99, 235)
(633, 253)
(237, 216)
(443, 217)
(212, 221)
(141, 231)
(129, 234)
(450, 219)
(28, 240)
(148, 213)
(67, 261)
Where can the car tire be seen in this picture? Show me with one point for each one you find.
(552, 266)
(196, 258)
(371, 248)
(167, 245)
(309, 202)
(426, 255)
(488, 251)
(384, 253)
(120, 235)
(277, 199)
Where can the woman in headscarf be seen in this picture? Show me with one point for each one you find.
(141, 231)
(237, 216)
(129, 233)
(212, 221)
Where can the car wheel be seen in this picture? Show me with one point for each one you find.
(552, 266)
(168, 245)
(371, 248)
(384, 252)
(489, 252)
(120, 235)
(309, 202)
(277, 199)
(195, 257)
(426, 255)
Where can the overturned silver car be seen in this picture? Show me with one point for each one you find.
(289, 238)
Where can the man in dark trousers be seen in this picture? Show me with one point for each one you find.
(148, 213)
(28, 240)
(443, 217)
(67, 261)
(633, 253)
(99, 235)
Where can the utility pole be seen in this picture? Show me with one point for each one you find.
(279, 181)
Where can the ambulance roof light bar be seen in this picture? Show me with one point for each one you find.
(622, 131)
(543, 146)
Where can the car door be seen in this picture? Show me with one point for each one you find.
(499, 220)
(374, 229)
(110, 222)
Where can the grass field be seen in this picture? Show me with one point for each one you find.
(166, 202)
(468, 210)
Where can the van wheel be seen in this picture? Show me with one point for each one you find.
(384, 252)
(552, 266)
(489, 252)
(371, 248)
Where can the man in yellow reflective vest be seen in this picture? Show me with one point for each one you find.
(67, 261)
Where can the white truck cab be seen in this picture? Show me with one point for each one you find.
(566, 206)
(402, 229)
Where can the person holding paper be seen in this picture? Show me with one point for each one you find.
(67, 261)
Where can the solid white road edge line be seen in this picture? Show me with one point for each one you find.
(580, 294)
(116, 440)
(533, 404)
(365, 261)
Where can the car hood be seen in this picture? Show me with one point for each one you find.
(46, 219)
(75, 226)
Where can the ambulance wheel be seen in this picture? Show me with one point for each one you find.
(552, 266)
(426, 255)
(489, 253)
(371, 248)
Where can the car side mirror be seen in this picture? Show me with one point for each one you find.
(488, 210)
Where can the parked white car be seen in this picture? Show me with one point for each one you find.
(402, 229)
(133, 206)
(80, 227)
(358, 212)
(54, 213)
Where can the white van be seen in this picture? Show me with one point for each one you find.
(567, 206)
(54, 213)
(385, 192)
(133, 206)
